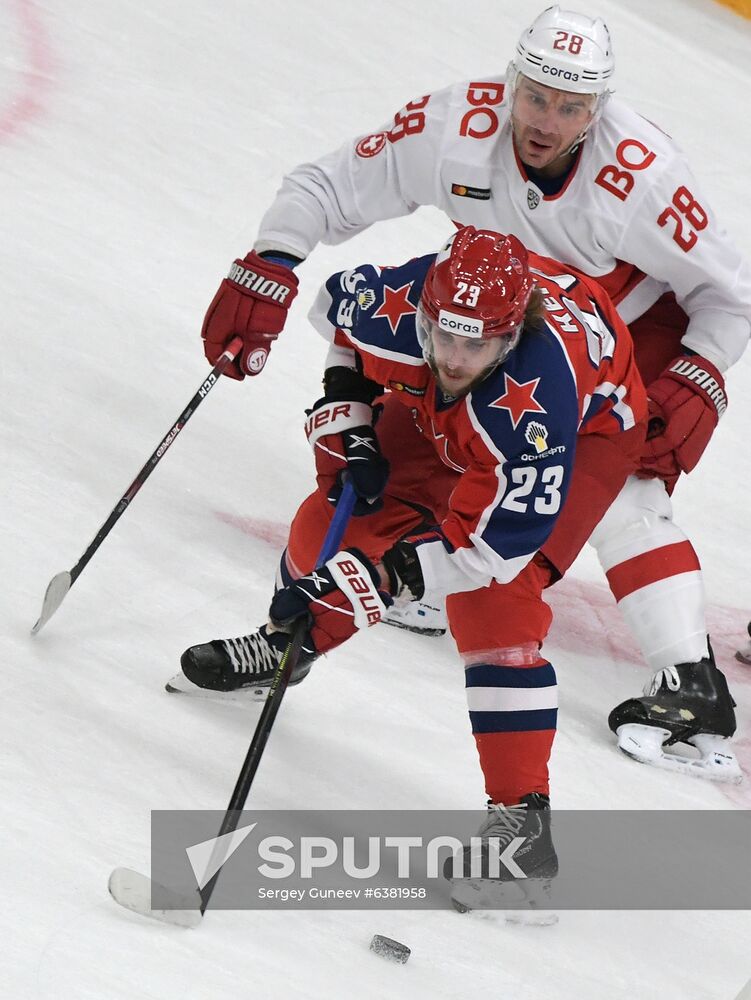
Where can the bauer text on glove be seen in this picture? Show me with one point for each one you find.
(339, 598)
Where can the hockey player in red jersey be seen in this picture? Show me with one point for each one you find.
(548, 154)
(521, 379)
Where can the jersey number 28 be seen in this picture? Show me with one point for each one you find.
(684, 204)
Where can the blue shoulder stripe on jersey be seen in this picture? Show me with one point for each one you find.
(376, 307)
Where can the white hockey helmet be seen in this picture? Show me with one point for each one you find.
(566, 50)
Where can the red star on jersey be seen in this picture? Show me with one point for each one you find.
(518, 399)
(395, 305)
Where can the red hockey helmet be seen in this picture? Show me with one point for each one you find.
(479, 285)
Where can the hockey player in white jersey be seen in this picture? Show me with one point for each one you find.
(547, 153)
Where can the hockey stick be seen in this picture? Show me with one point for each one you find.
(132, 889)
(60, 584)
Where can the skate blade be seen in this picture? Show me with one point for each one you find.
(179, 684)
(716, 762)
(522, 902)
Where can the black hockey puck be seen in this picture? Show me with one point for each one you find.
(388, 948)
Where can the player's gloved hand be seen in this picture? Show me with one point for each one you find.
(340, 431)
(339, 598)
(685, 404)
(252, 302)
(402, 566)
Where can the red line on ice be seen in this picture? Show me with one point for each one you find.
(273, 532)
(28, 100)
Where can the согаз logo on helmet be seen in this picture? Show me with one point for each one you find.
(465, 326)
(564, 74)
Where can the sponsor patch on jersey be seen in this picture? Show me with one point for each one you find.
(371, 145)
(533, 199)
(403, 387)
(558, 450)
(537, 434)
(464, 326)
(465, 191)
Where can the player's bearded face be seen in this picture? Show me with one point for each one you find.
(547, 122)
(459, 363)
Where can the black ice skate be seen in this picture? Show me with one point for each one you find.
(510, 863)
(689, 703)
(244, 666)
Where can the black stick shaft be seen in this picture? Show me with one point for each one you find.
(273, 701)
(160, 451)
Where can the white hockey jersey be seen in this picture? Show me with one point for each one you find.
(629, 214)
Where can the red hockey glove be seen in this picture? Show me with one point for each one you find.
(340, 432)
(252, 302)
(685, 404)
(339, 598)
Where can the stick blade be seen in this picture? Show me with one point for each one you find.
(54, 595)
(133, 891)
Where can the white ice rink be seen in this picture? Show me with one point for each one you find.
(139, 146)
